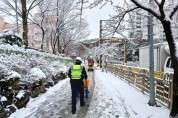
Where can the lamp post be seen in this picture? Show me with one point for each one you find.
(101, 38)
(152, 100)
(104, 50)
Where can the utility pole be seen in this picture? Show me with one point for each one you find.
(102, 47)
(16, 16)
(152, 100)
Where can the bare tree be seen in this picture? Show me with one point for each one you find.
(23, 12)
(66, 27)
(41, 19)
(59, 13)
(77, 32)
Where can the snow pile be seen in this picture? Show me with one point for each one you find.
(29, 53)
(20, 94)
(13, 74)
(3, 98)
(3, 69)
(56, 66)
(11, 37)
(35, 74)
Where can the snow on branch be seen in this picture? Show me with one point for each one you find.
(122, 17)
(162, 3)
(158, 2)
(174, 9)
(147, 7)
(97, 2)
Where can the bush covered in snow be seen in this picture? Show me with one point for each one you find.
(12, 38)
(35, 75)
(27, 73)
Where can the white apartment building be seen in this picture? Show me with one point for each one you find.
(135, 25)
(158, 32)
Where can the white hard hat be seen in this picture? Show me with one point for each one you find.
(78, 58)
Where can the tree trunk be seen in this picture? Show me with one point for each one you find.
(53, 43)
(43, 36)
(25, 24)
(58, 42)
(172, 47)
(174, 110)
(58, 29)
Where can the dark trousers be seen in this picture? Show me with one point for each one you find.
(74, 95)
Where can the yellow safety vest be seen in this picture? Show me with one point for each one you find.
(76, 71)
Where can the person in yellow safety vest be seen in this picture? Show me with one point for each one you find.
(77, 74)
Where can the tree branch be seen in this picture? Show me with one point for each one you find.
(33, 6)
(162, 3)
(161, 9)
(137, 3)
(173, 11)
(125, 12)
(156, 2)
(10, 5)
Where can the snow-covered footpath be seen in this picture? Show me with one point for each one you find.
(115, 98)
(112, 98)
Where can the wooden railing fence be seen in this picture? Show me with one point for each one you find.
(139, 78)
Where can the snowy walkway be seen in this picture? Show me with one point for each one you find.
(115, 98)
(112, 98)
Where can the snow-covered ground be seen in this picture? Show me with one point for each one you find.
(115, 98)
(110, 97)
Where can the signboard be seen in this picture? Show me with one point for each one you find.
(136, 70)
(125, 67)
(158, 74)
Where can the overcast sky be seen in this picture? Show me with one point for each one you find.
(93, 17)
(96, 14)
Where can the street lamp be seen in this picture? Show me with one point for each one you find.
(100, 37)
(95, 50)
(104, 50)
(152, 100)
